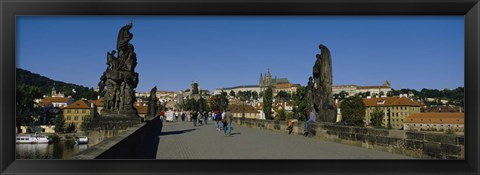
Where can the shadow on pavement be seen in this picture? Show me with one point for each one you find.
(235, 133)
(177, 132)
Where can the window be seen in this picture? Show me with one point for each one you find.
(83, 111)
(75, 118)
(76, 111)
(69, 117)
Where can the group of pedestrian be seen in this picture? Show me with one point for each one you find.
(223, 121)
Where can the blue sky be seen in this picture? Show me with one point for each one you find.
(224, 51)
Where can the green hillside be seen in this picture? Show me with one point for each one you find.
(45, 84)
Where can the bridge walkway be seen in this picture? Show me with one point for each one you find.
(181, 140)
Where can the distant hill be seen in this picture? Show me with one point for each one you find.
(46, 84)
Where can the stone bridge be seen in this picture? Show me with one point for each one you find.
(260, 139)
(181, 140)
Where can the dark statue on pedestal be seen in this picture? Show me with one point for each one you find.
(118, 82)
(319, 90)
(153, 106)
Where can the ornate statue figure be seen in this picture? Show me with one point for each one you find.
(152, 102)
(119, 79)
(111, 60)
(124, 37)
(321, 87)
(309, 98)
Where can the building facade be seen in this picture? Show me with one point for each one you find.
(435, 122)
(236, 89)
(395, 110)
(77, 111)
(246, 110)
(277, 85)
(355, 89)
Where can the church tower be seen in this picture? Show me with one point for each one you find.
(268, 79)
(54, 91)
(387, 84)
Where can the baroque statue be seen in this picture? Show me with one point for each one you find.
(118, 82)
(319, 88)
(153, 107)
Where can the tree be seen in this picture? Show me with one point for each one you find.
(255, 95)
(70, 128)
(214, 103)
(26, 110)
(232, 93)
(299, 103)
(267, 103)
(223, 101)
(381, 93)
(377, 118)
(45, 85)
(86, 123)
(282, 95)
(190, 104)
(59, 123)
(282, 115)
(390, 93)
(202, 104)
(353, 110)
(342, 95)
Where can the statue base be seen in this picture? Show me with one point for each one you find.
(115, 120)
(120, 114)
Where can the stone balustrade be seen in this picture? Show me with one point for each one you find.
(414, 144)
(137, 142)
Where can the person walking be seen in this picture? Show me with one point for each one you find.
(183, 116)
(205, 117)
(200, 118)
(228, 122)
(311, 119)
(162, 115)
(218, 120)
(194, 118)
(175, 115)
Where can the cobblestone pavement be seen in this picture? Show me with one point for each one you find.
(181, 140)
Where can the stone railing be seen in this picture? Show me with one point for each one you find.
(414, 144)
(137, 142)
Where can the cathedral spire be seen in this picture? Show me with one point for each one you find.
(261, 80)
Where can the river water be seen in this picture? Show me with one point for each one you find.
(60, 150)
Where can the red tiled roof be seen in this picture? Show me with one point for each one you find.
(44, 103)
(436, 118)
(79, 104)
(390, 101)
(234, 108)
(283, 85)
(98, 102)
(56, 99)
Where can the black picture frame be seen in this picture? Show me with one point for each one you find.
(10, 8)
